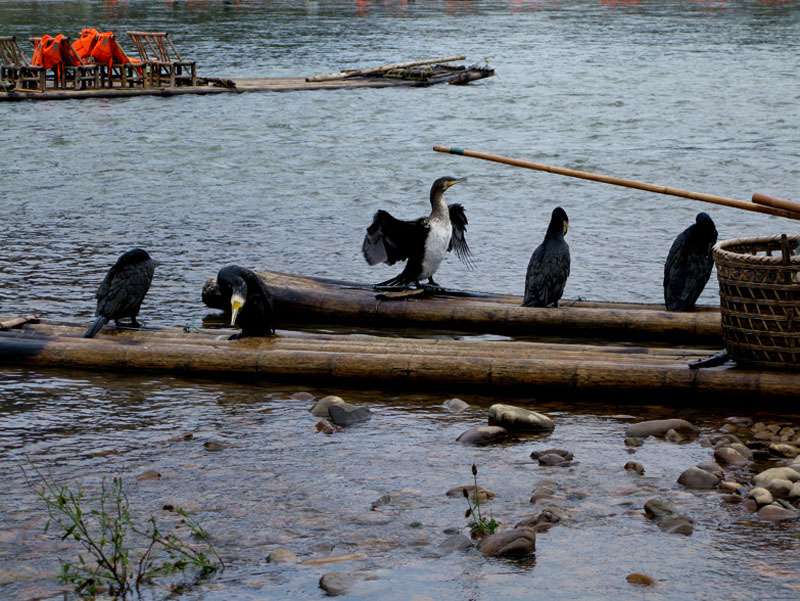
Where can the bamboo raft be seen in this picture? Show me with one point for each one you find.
(412, 74)
(494, 366)
(303, 299)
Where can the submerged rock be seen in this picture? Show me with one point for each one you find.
(483, 435)
(519, 542)
(517, 419)
(730, 456)
(635, 467)
(456, 405)
(345, 414)
(776, 513)
(640, 579)
(282, 556)
(483, 494)
(659, 428)
(454, 542)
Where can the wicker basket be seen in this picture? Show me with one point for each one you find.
(759, 291)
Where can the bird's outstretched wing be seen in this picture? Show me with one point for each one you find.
(389, 240)
(458, 219)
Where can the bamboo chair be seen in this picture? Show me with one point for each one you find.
(16, 71)
(73, 72)
(165, 66)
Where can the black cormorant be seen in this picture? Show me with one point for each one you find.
(122, 291)
(251, 301)
(548, 268)
(689, 264)
(423, 241)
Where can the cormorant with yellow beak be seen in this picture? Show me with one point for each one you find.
(251, 302)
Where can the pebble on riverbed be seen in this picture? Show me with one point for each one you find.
(456, 405)
(282, 556)
(667, 517)
(553, 457)
(337, 583)
(345, 414)
(660, 427)
(699, 478)
(483, 494)
(640, 579)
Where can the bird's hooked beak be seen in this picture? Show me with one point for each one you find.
(566, 225)
(453, 182)
(237, 302)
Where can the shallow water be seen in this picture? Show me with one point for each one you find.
(695, 95)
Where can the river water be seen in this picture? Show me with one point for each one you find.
(699, 95)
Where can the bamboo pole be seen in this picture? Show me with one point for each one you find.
(778, 203)
(628, 183)
(373, 70)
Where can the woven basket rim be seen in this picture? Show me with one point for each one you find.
(720, 251)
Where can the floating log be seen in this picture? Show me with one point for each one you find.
(307, 299)
(375, 70)
(464, 365)
(628, 183)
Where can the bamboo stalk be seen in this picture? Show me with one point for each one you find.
(778, 203)
(373, 70)
(17, 321)
(628, 183)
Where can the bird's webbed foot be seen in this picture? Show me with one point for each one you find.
(431, 286)
(135, 324)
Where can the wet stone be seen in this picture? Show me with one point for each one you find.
(761, 496)
(782, 473)
(302, 396)
(732, 498)
(282, 556)
(327, 427)
(518, 542)
(456, 405)
(698, 478)
(214, 446)
(733, 487)
(784, 450)
(337, 583)
(776, 513)
(345, 414)
(779, 487)
(677, 524)
(634, 441)
(660, 427)
(657, 509)
(148, 475)
(322, 407)
(454, 542)
(517, 419)
(483, 435)
(484, 494)
(640, 579)
(635, 467)
(730, 456)
(673, 436)
(712, 467)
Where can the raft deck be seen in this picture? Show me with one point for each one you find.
(467, 365)
(241, 85)
(305, 299)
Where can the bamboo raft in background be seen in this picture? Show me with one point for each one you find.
(493, 366)
(305, 299)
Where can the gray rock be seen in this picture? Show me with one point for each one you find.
(322, 406)
(282, 556)
(456, 405)
(784, 450)
(519, 542)
(696, 477)
(454, 542)
(483, 435)
(555, 460)
(783, 473)
(346, 414)
(733, 487)
(564, 454)
(634, 441)
(484, 494)
(659, 428)
(517, 419)
(795, 491)
(658, 509)
(540, 522)
(677, 524)
(712, 467)
(337, 583)
(302, 396)
(776, 513)
(673, 436)
(730, 456)
(779, 487)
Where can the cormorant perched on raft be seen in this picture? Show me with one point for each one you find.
(122, 290)
(689, 264)
(548, 268)
(251, 302)
(423, 241)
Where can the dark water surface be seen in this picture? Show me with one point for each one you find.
(691, 94)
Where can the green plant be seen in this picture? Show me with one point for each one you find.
(102, 527)
(480, 525)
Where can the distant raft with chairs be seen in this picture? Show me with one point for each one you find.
(161, 70)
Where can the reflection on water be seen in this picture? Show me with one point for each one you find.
(695, 95)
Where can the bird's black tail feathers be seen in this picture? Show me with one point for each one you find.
(96, 327)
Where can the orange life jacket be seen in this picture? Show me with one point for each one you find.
(84, 44)
(48, 52)
(107, 51)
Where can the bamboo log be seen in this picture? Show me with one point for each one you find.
(400, 369)
(17, 321)
(628, 183)
(778, 203)
(373, 70)
(319, 300)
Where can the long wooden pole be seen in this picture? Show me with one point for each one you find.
(372, 70)
(628, 183)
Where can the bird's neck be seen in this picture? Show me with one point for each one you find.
(439, 206)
